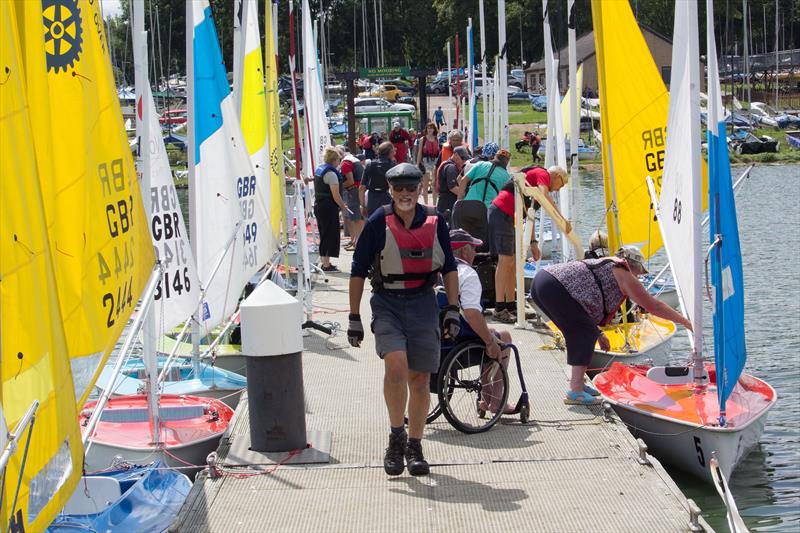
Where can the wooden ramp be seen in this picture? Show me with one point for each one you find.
(567, 470)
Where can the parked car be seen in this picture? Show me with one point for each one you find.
(409, 100)
(406, 87)
(438, 86)
(389, 92)
(519, 76)
(370, 105)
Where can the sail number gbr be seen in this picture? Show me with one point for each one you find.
(246, 191)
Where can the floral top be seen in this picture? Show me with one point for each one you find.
(583, 281)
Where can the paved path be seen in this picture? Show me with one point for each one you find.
(566, 470)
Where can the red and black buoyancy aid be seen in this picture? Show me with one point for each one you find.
(411, 258)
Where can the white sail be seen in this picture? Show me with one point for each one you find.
(318, 134)
(229, 218)
(178, 293)
(680, 203)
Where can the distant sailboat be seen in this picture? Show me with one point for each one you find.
(685, 414)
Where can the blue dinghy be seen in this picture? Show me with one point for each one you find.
(145, 499)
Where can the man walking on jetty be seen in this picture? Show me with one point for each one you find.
(403, 248)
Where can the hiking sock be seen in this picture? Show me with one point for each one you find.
(511, 307)
(398, 431)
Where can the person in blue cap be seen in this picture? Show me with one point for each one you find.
(403, 249)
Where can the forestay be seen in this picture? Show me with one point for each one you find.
(229, 217)
(726, 258)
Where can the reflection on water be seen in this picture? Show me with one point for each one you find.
(767, 483)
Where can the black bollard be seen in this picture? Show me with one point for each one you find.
(272, 343)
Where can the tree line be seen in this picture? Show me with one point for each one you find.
(416, 32)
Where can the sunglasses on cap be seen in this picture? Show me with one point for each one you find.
(406, 188)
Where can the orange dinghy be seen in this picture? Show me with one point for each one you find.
(664, 401)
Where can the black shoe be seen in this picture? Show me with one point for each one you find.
(417, 465)
(393, 460)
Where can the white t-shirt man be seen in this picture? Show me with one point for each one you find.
(469, 286)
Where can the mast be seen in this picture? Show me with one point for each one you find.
(574, 120)
(503, 71)
(484, 86)
(746, 48)
(191, 159)
(143, 132)
(449, 77)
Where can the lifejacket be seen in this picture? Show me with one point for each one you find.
(430, 149)
(321, 189)
(411, 258)
(609, 312)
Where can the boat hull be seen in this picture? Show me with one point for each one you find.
(213, 382)
(680, 422)
(688, 448)
(191, 428)
(650, 342)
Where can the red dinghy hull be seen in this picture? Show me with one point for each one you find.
(681, 424)
(191, 428)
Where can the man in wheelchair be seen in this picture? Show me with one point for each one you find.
(473, 323)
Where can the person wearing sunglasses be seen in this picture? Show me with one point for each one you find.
(403, 248)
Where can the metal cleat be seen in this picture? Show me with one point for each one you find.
(694, 516)
(643, 458)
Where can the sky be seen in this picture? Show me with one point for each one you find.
(111, 8)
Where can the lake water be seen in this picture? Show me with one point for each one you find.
(766, 485)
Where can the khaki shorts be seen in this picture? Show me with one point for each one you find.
(410, 324)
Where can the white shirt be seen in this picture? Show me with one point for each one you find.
(469, 286)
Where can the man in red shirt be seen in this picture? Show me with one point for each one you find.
(502, 239)
(402, 141)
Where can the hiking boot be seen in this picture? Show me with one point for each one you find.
(417, 465)
(393, 459)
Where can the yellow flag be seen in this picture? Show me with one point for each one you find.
(33, 366)
(633, 113)
(277, 189)
(103, 255)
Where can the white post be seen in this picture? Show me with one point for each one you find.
(574, 114)
(449, 79)
(484, 86)
(503, 72)
(777, 67)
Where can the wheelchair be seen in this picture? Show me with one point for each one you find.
(469, 382)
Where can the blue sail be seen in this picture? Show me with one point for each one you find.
(726, 270)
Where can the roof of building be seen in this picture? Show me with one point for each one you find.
(584, 49)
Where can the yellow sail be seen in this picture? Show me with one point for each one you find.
(34, 365)
(566, 112)
(97, 224)
(277, 183)
(633, 117)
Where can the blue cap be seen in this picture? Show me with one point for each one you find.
(490, 149)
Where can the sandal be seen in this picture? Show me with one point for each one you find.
(349, 247)
(588, 389)
(580, 398)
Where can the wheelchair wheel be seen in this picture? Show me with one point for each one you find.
(469, 380)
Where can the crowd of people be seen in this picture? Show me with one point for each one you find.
(405, 245)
